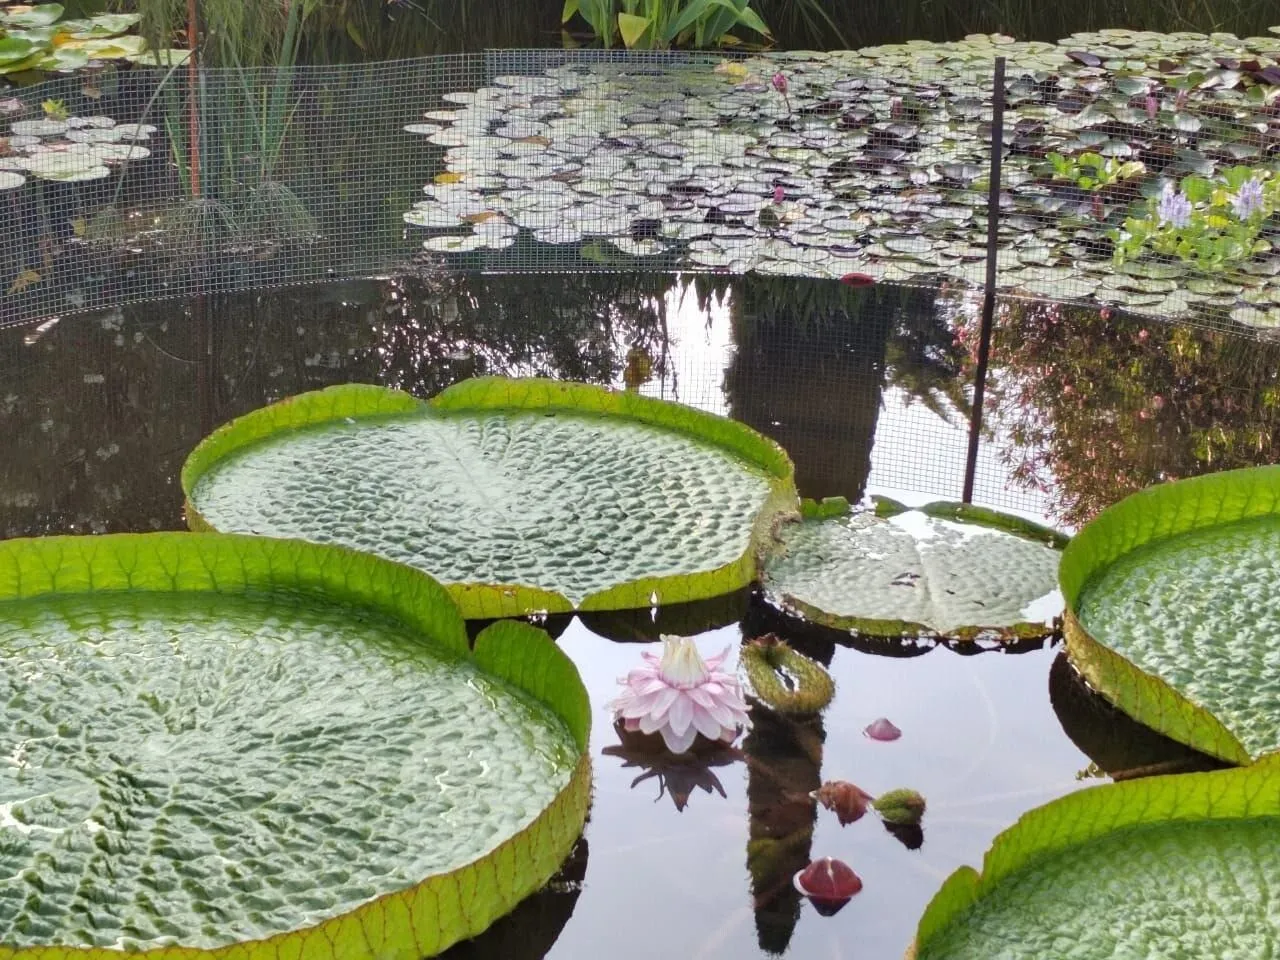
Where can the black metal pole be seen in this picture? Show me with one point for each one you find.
(989, 295)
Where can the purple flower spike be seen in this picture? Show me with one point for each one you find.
(1248, 200)
(882, 730)
(1174, 207)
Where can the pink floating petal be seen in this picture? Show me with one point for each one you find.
(882, 730)
(857, 280)
(829, 883)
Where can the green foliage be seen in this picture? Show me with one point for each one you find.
(1215, 237)
(1175, 663)
(755, 486)
(1090, 171)
(785, 680)
(660, 24)
(37, 40)
(178, 573)
(1117, 830)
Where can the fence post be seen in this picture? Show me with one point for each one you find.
(989, 293)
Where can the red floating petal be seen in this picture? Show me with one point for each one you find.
(828, 880)
(857, 280)
(882, 730)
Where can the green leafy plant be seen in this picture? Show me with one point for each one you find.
(732, 483)
(1052, 877)
(1162, 614)
(659, 24)
(1091, 171)
(1204, 222)
(193, 609)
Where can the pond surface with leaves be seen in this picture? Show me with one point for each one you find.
(868, 390)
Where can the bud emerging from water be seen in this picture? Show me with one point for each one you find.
(828, 883)
(846, 800)
(780, 82)
(900, 806)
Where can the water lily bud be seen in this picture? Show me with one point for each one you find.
(829, 883)
(779, 194)
(780, 82)
(846, 800)
(900, 806)
(882, 730)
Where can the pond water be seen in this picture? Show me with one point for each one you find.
(868, 390)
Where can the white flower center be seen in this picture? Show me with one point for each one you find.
(682, 665)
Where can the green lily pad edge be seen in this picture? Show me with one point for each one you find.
(488, 394)
(1154, 514)
(833, 508)
(1078, 819)
(444, 908)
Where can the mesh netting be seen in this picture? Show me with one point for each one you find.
(1137, 175)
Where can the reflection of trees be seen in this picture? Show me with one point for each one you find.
(811, 363)
(568, 327)
(105, 408)
(784, 764)
(1100, 407)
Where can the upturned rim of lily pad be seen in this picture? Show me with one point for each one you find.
(419, 920)
(492, 394)
(1149, 516)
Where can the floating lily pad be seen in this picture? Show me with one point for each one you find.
(293, 739)
(1173, 866)
(945, 569)
(1173, 610)
(10, 180)
(520, 495)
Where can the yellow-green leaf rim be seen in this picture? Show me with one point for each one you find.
(408, 924)
(354, 402)
(1147, 517)
(1247, 793)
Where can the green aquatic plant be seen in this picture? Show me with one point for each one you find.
(659, 24)
(523, 495)
(895, 572)
(1213, 223)
(786, 680)
(1091, 171)
(229, 708)
(35, 40)
(1171, 866)
(1169, 612)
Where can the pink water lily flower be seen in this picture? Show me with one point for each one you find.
(679, 695)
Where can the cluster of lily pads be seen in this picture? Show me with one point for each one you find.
(37, 38)
(876, 161)
(467, 484)
(69, 149)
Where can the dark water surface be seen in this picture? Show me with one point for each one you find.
(867, 389)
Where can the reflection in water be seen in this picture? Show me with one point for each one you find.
(678, 774)
(1100, 406)
(1119, 746)
(529, 931)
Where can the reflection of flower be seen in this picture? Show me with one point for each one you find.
(1248, 200)
(678, 774)
(1174, 207)
(679, 695)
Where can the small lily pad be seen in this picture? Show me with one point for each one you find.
(945, 569)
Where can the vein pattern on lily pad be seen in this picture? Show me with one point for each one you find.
(1173, 605)
(223, 740)
(914, 573)
(558, 498)
(1179, 867)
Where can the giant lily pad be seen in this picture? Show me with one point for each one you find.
(1172, 609)
(1174, 866)
(945, 569)
(223, 740)
(520, 495)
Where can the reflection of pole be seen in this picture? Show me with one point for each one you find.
(784, 763)
(193, 118)
(989, 296)
(203, 336)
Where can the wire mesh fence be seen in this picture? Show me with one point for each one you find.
(1138, 172)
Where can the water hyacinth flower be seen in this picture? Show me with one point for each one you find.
(679, 695)
(1248, 199)
(1173, 208)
